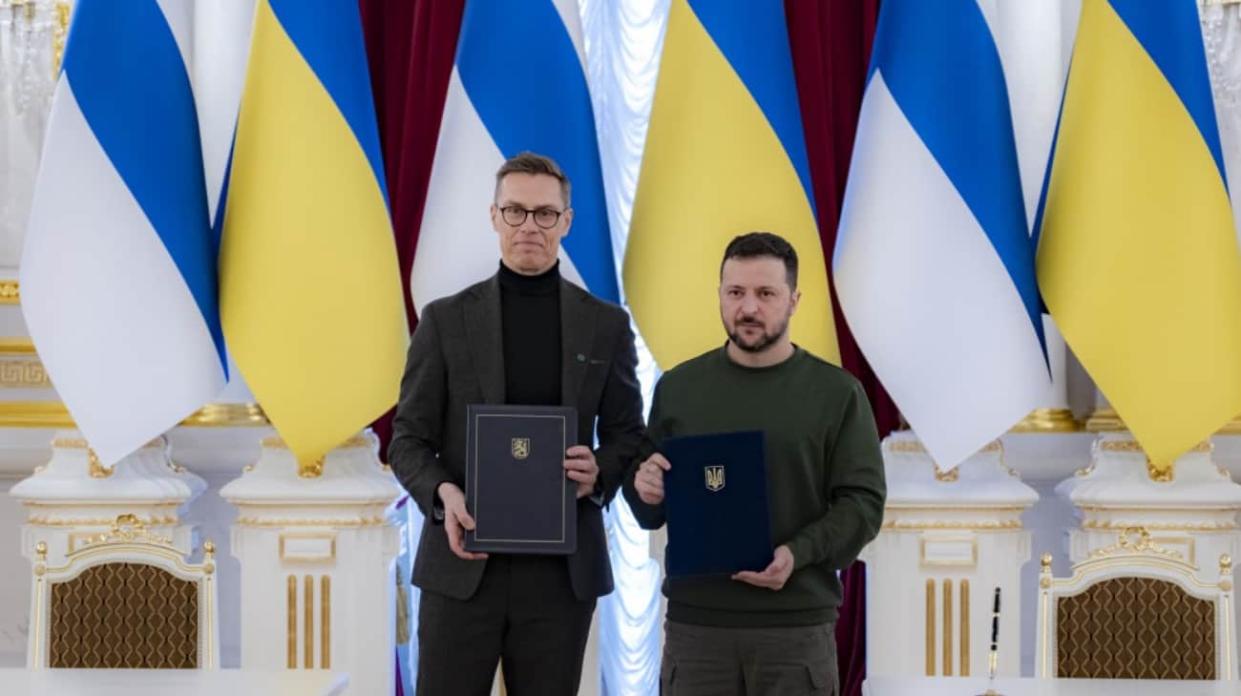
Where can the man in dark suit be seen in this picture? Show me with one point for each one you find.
(523, 336)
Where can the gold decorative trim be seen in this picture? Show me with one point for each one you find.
(1163, 526)
(277, 442)
(209, 557)
(128, 528)
(310, 522)
(947, 628)
(53, 414)
(59, 31)
(16, 345)
(227, 415)
(950, 476)
(1225, 572)
(1048, 420)
(308, 601)
(40, 569)
(1105, 420)
(310, 469)
(23, 374)
(324, 536)
(97, 469)
(930, 627)
(325, 622)
(973, 542)
(10, 292)
(292, 621)
(1135, 540)
(914, 525)
(916, 447)
(51, 521)
(1134, 447)
(34, 414)
(965, 628)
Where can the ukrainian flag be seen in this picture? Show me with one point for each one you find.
(311, 298)
(1138, 259)
(725, 155)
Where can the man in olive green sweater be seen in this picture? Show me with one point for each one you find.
(768, 632)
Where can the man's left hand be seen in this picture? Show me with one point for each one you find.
(580, 466)
(774, 575)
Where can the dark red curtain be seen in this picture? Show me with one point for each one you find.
(410, 45)
(831, 42)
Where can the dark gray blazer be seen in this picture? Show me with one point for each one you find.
(455, 359)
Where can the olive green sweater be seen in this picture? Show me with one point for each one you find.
(825, 482)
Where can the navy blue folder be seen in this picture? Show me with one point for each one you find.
(515, 484)
(715, 500)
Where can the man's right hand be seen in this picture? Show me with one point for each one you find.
(456, 520)
(649, 481)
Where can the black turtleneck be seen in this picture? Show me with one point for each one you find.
(530, 320)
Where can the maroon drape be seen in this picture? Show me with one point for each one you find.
(831, 42)
(410, 45)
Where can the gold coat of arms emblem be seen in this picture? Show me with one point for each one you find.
(715, 478)
(521, 447)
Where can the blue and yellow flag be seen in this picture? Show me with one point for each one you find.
(725, 155)
(1138, 259)
(311, 297)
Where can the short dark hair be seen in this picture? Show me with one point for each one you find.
(533, 163)
(757, 244)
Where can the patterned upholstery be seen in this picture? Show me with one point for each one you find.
(124, 615)
(1135, 628)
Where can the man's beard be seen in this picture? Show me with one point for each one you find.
(764, 342)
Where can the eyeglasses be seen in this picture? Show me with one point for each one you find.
(543, 217)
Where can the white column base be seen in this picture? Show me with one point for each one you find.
(948, 540)
(316, 554)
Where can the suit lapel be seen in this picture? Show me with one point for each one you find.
(482, 324)
(577, 336)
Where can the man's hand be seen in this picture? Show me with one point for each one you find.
(456, 520)
(580, 466)
(649, 481)
(773, 576)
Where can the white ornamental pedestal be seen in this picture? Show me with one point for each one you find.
(948, 540)
(73, 497)
(1190, 509)
(316, 553)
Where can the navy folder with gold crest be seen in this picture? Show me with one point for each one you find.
(715, 503)
(515, 484)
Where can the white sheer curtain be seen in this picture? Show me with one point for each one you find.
(623, 40)
(28, 37)
(1221, 35)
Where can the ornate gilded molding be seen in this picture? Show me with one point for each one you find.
(1105, 420)
(23, 374)
(53, 414)
(34, 414)
(1163, 526)
(227, 415)
(1135, 540)
(1048, 420)
(10, 293)
(910, 525)
(54, 521)
(59, 31)
(128, 528)
(16, 345)
(249, 521)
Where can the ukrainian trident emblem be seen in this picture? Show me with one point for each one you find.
(521, 447)
(715, 478)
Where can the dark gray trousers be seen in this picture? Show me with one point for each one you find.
(783, 661)
(525, 613)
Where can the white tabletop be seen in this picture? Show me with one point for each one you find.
(166, 682)
(972, 686)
